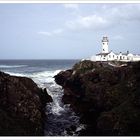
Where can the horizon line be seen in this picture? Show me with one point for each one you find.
(45, 59)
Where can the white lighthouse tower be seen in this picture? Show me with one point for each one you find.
(105, 45)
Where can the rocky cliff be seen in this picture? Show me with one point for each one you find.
(21, 106)
(105, 96)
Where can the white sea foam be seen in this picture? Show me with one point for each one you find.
(44, 77)
(39, 77)
(16, 74)
(12, 66)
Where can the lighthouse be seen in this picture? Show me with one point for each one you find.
(106, 55)
(105, 45)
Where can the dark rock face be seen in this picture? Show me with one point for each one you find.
(21, 106)
(106, 98)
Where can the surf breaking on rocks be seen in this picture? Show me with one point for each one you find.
(61, 120)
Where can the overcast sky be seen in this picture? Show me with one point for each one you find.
(67, 31)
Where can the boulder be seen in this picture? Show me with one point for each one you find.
(21, 106)
(105, 97)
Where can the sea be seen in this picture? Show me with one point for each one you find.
(61, 120)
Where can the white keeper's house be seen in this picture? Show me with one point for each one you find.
(106, 55)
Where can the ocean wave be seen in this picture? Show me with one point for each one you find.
(44, 77)
(39, 77)
(45, 73)
(12, 66)
(16, 74)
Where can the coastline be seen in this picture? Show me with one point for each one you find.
(105, 97)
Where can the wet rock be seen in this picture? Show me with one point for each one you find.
(21, 106)
(44, 97)
(70, 131)
(62, 76)
(73, 128)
